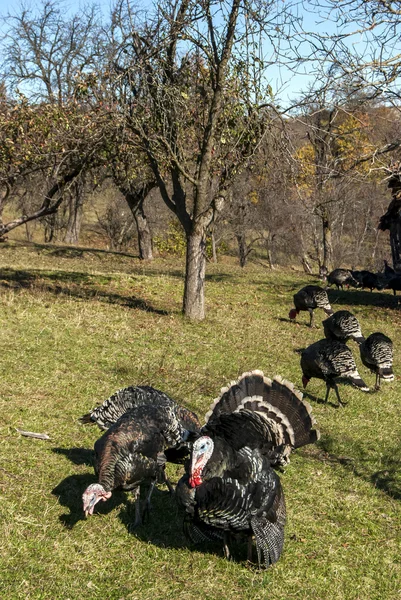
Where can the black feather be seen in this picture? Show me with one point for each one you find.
(130, 397)
(251, 425)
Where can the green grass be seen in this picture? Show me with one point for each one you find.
(78, 325)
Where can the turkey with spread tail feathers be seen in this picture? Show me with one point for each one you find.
(377, 355)
(230, 486)
(309, 298)
(127, 398)
(343, 326)
(328, 359)
(145, 428)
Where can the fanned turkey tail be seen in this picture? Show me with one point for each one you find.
(284, 411)
(130, 397)
(117, 404)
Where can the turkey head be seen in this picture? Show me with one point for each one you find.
(201, 453)
(92, 495)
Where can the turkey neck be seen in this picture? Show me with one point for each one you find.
(111, 466)
(223, 459)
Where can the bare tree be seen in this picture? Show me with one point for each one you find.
(47, 53)
(192, 86)
(135, 198)
(47, 57)
(131, 174)
(60, 144)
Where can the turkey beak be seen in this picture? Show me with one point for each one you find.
(197, 463)
(91, 505)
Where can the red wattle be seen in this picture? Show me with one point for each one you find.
(195, 480)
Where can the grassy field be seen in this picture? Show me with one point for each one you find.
(77, 325)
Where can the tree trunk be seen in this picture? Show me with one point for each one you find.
(28, 233)
(306, 265)
(214, 250)
(3, 199)
(135, 199)
(242, 250)
(144, 235)
(327, 245)
(373, 256)
(50, 228)
(194, 289)
(74, 216)
(395, 243)
(269, 248)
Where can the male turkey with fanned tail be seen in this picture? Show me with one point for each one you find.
(230, 487)
(145, 428)
(309, 298)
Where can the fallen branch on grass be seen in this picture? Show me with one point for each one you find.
(39, 436)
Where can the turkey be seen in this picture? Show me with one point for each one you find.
(394, 283)
(367, 279)
(127, 398)
(377, 355)
(134, 449)
(230, 487)
(341, 277)
(388, 271)
(343, 326)
(309, 298)
(328, 359)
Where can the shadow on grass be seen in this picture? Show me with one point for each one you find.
(70, 490)
(313, 398)
(77, 252)
(74, 252)
(301, 322)
(362, 298)
(354, 297)
(217, 277)
(70, 251)
(389, 479)
(78, 456)
(163, 527)
(343, 382)
(35, 280)
(362, 464)
(69, 493)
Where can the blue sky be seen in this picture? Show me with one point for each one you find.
(281, 80)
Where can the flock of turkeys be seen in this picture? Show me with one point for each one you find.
(330, 358)
(230, 488)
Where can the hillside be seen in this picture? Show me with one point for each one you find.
(79, 324)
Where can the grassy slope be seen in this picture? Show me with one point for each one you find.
(75, 327)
